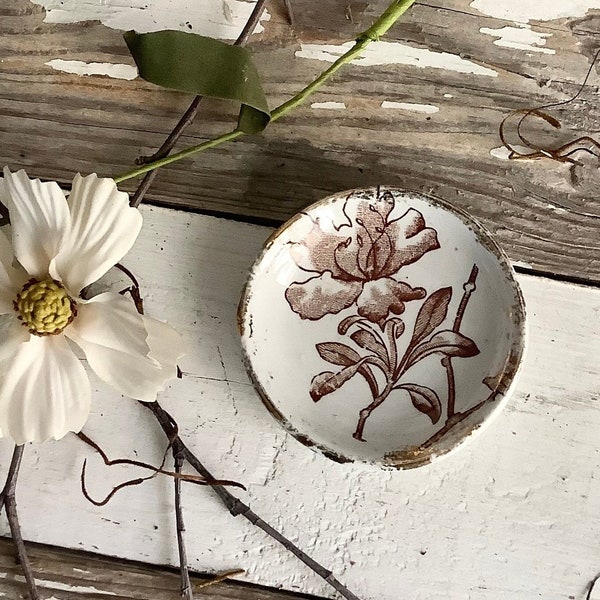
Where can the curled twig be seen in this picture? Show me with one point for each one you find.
(195, 479)
(562, 153)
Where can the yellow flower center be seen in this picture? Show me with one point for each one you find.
(44, 307)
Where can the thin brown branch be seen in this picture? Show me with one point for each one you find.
(133, 289)
(190, 114)
(8, 500)
(236, 506)
(186, 586)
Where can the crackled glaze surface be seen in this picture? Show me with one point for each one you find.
(382, 326)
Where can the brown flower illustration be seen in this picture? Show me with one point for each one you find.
(355, 261)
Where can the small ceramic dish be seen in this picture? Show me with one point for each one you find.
(382, 326)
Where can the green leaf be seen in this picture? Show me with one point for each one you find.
(200, 65)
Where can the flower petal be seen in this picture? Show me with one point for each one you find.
(39, 216)
(134, 374)
(382, 296)
(316, 251)
(103, 229)
(11, 279)
(45, 392)
(110, 320)
(410, 240)
(321, 295)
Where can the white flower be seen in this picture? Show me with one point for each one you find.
(62, 245)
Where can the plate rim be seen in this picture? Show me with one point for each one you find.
(520, 319)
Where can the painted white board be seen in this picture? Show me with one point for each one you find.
(514, 514)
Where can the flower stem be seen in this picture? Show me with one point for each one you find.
(393, 12)
(8, 500)
(190, 114)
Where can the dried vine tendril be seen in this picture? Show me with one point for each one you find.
(563, 153)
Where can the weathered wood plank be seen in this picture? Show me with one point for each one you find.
(512, 515)
(68, 575)
(545, 214)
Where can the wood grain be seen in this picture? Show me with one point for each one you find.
(544, 214)
(68, 575)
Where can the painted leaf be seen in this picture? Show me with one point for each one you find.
(398, 324)
(447, 342)
(347, 323)
(337, 354)
(327, 382)
(432, 313)
(425, 400)
(201, 65)
(365, 371)
(366, 340)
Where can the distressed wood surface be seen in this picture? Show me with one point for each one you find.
(513, 515)
(499, 56)
(67, 575)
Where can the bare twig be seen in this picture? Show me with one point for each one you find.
(8, 500)
(236, 506)
(186, 586)
(190, 114)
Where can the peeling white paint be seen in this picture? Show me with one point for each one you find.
(222, 19)
(328, 105)
(556, 209)
(501, 152)
(422, 108)
(521, 38)
(79, 67)
(538, 10)
(394, 53)
(65, 587)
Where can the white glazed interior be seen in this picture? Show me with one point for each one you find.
(282, 360)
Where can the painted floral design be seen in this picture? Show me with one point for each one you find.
(355, 265)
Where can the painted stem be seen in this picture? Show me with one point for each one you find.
(236, 506)
(394, 11)
(365, 413)
(469, 288)
(190, 114)
(8, 499)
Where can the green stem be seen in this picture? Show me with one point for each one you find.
(393, 12)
